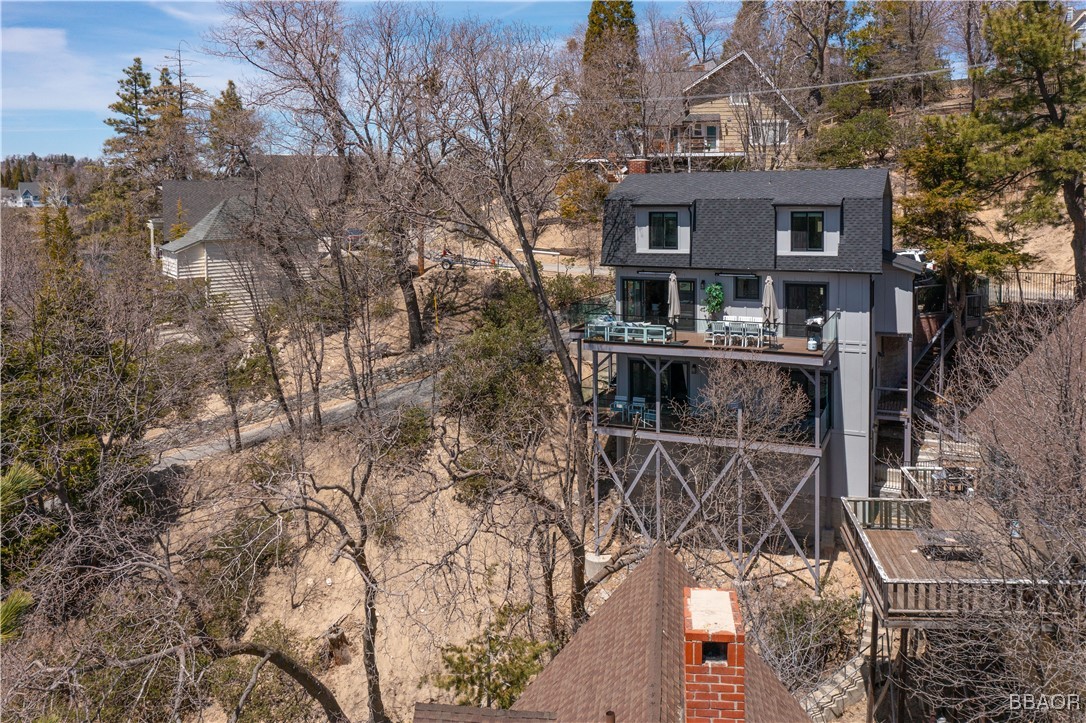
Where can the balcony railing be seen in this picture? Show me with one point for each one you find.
(733, 332)
(693, 420)
(941, 602)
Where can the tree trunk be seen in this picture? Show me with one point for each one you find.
(956, 300)
(546, 550)
(277, 384)
(232, 403)
(405, 277)
(1074, 196)
(369, 641)
(297, 672)
(346, 321)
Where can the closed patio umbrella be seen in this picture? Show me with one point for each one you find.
(672, 299)
(769, 304)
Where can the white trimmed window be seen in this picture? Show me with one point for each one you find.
(769, 133)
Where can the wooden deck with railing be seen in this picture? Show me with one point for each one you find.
(912, 586)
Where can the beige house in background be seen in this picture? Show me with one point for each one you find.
(731, 110)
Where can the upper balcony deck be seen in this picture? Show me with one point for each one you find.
(728, 338)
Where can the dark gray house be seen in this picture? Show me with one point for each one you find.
(800, 264)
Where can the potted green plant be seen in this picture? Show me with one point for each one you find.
(714, 299)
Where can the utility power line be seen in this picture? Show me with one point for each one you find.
(794, 89)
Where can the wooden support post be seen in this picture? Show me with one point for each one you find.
(908, 456)
(818, 527)
(899, 680)
(595, 391)
(872, 656)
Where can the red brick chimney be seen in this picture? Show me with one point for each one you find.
(638, 165)
(714, 656)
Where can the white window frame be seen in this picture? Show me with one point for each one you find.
(641, 230)
(738, 99)
(758, 137)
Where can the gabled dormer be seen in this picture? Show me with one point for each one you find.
(834, 220)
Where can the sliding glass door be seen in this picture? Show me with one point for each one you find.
(646, 300)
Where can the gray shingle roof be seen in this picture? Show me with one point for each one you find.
(197, 199)
(225, 222)
(821, 187)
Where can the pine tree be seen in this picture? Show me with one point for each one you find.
(131, 107)
(610, 21)
(611, 66)
(232, 133)
(893, 37)
(941, 215)
(180, 228)
(173, 148)
(1039, 108)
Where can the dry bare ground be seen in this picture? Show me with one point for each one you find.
(423, 605)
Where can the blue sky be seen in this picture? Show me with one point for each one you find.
(61, 60)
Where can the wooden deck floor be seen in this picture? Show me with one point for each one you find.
(901, 552)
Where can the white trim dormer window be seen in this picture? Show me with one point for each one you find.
(808, 230)
(662, 229)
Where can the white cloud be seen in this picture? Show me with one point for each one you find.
(34, 40)
(198, 14)
(41, 72)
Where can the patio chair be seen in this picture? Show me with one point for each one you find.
(752, 332)
(649, 416)
(620, 406)
(637, 407)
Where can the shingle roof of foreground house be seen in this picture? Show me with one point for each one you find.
(646, 657)
(222, 223)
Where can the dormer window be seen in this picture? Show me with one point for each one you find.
(807, 231)
(664, 230)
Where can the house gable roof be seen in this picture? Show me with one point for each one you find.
(628, 658)
(744, 54)
(224, 223)
(197, 199)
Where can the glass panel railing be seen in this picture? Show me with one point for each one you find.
(643, 413)
(829, 329)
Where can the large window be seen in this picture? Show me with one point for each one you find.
(747, 289)
(646, 300)
(807, 233)
(673, 382)
(769, 133)
(663, 230)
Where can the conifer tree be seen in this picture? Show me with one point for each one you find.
(941, 215)
(610, 21)
(232, 133)
(609, 78)
(1039, 108)
(133, 117)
